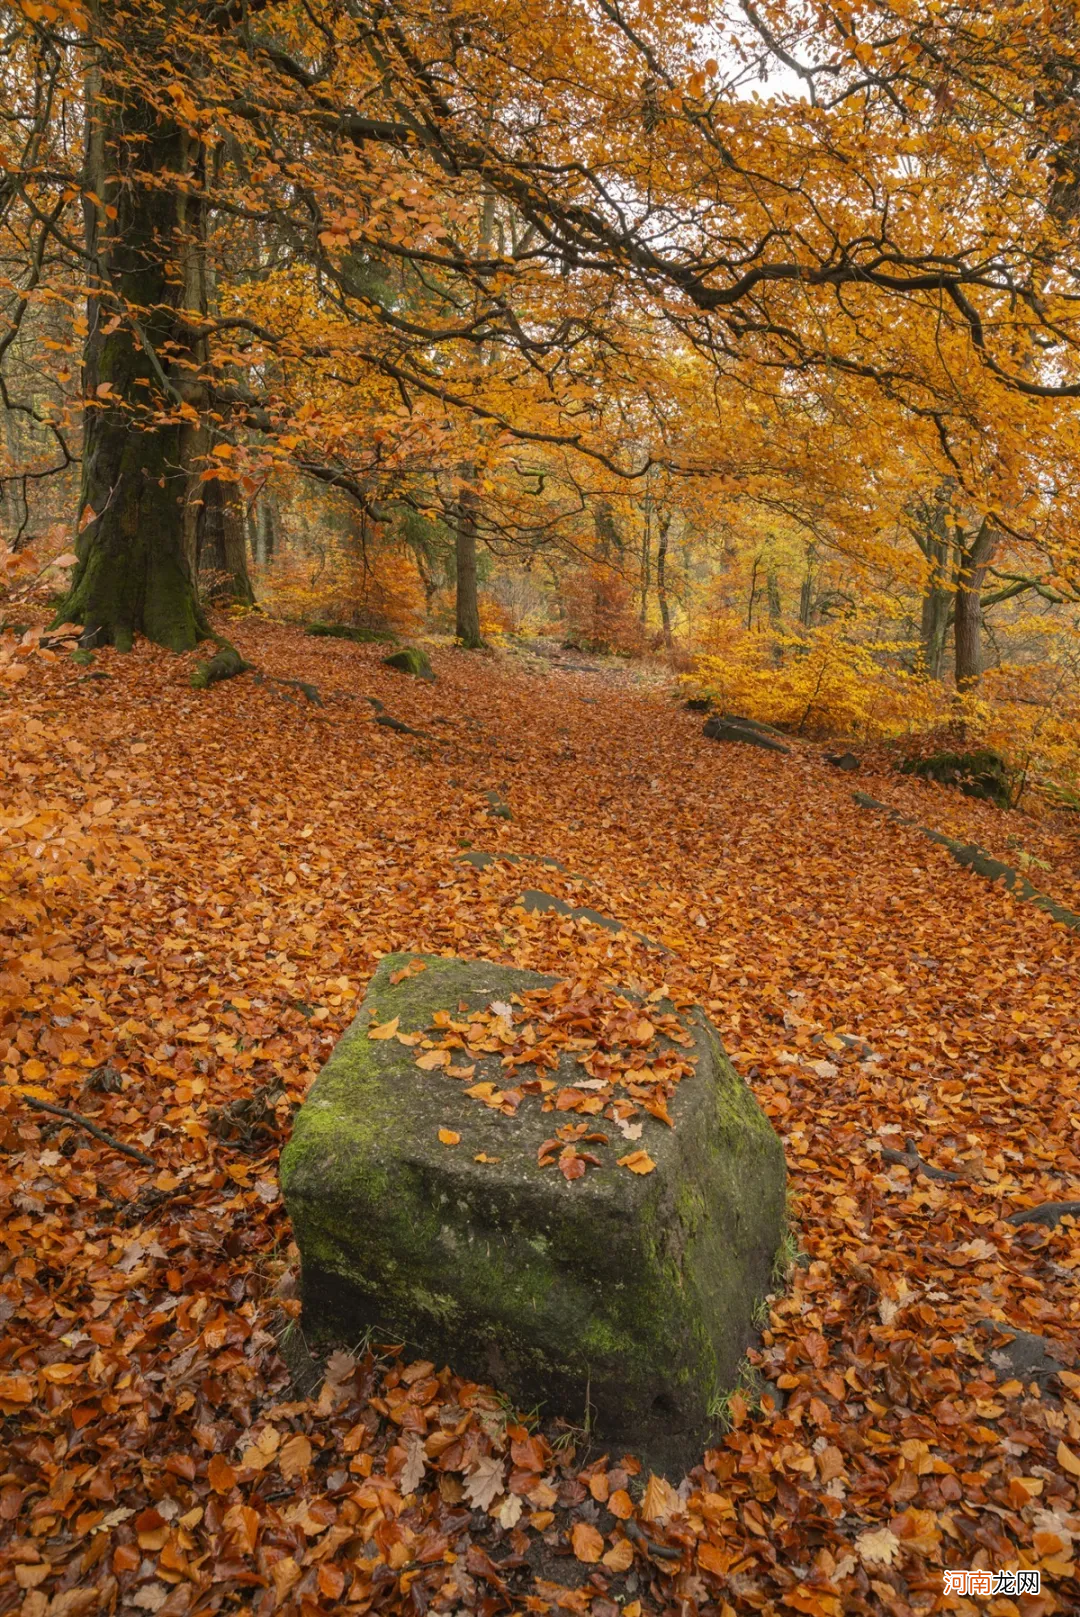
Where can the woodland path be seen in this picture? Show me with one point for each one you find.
(254, 855)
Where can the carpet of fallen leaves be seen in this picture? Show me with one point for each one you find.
(194, 890)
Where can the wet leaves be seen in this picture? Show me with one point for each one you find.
(157, 1456)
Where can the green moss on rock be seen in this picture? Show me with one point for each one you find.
(351, 631)
(983, 773)
(631, 1294)
(411, 660)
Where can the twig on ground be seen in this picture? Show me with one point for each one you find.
(91, 1128)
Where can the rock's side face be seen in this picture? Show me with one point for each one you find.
(411, 660)
(630, 1296)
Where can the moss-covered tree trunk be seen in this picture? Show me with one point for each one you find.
(221, 545)
(975, 558)
(466, 594)
(139, 379)
(661, 577)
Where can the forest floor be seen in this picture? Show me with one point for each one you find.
(229, 867)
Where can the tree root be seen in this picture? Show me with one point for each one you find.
(1048, 1213)
(226, 663)
(977, 859)
(910, 1158)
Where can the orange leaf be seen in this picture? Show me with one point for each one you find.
(620, 1557)
(385, 1030)
(621, 1505)
(660, 1501)
(638, 1162)
(448, 1137)
(220, 1474)
(588, 1545)
(295, 1456)
(331, 1582)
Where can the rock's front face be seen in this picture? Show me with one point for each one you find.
(619, 1299)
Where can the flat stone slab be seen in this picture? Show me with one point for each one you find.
(619, 1298)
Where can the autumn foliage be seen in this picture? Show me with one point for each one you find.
(203, 883)
(736, 347)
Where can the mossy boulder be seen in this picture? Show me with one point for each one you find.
(983, 773)
(622, 1297)
(411, 660)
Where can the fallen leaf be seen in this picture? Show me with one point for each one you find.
(587, 1543)
(484, 1482)
(295, 1456)
(877, 1547)
(637, 1162)
(385, 1030)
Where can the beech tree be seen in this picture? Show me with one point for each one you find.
(343, 224)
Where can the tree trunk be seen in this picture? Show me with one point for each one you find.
(467, 599)
(967, 621)
(931, 532)
(263, 521)
(221, 551)
(646, 560)
(133, 576)
(935, 608)
(806, 591)
(661, 577)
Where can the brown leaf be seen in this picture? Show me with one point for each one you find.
(294, 1459)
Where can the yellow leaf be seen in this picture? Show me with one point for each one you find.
(448, 1137)
(432, 1059)
(385, 1030)
(1067, 1460)
(638, 1162)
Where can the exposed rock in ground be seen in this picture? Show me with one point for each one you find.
(1021, 1355)
(411, 660)
(628, 1294)
(718, 728)
(983, 774)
